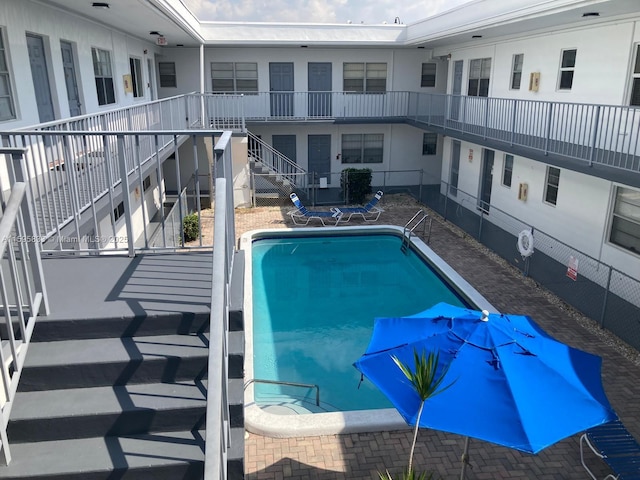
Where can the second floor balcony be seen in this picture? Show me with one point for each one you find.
(599, 140)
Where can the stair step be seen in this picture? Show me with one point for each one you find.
(155, 456)
(54, 329)
(114, 361)
(103, 411)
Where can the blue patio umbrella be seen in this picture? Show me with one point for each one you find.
(514, 385)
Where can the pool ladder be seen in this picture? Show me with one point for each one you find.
(288, 384)
(418, 219)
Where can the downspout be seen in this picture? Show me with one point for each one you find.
(202, 112)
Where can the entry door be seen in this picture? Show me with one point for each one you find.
(40, 76)
(320, 156)
(151, 76)
(281, 82)
(457, 90)
(454, 170)
(486, 180)
(286, 145)
(319, 78)
(71, 79)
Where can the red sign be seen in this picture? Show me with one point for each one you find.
(572, 268)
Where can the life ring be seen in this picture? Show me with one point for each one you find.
(525, 243)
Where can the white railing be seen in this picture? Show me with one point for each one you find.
(275, 161)
(77, 190)
(22, 292)
(218, 427)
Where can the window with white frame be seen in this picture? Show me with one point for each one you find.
(239, 77)
(429, 143)
(516, 71)
(365, 77)
(551, 185)
(625, 219)
(135, 67)
(104, 76)
(362, 148)
(567, 67)
(167, 72)
(635, 81)
(428, 78)
(507, 170)
(479, 73)
(7, 107)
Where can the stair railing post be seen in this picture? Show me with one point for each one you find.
(126, 198)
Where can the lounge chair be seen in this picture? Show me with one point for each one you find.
(369, 213)
(613, 443)
(302, 214)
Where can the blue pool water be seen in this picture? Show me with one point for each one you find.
(314, 304)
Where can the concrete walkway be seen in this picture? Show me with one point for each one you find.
(361, 456)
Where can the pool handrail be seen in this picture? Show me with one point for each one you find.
(288, 384)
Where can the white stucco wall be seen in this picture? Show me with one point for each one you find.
(18, 18)
(603, 61)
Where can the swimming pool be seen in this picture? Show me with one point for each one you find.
(311, 296)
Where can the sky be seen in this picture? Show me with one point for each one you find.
(319, 11)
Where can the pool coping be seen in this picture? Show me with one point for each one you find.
(261, 422)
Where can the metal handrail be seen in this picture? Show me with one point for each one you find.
(288, 384)
(406, 231)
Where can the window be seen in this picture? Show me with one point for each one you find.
(567, 67)
(118, 211)
(104, 77)
(551, 186)
(479, 71)
(625, 221)
(365, 77)
(362, 148)
(635, 85)
(167, 71)
(146, 183)
(241, 77)
(429, 143)
(507, 170)
(428, 78)
(7, 109)
(135, 67)
(516, 71)
(454, 171)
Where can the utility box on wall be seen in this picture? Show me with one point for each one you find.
(534, 81)
(523, 190)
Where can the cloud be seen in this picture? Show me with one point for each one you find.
(318, 11)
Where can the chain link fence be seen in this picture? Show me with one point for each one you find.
(608, 296)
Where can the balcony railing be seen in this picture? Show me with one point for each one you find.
(23, 293)
(607, 135)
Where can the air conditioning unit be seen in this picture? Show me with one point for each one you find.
(534, 81)
(523, 190)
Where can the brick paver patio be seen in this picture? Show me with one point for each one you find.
(362, 455)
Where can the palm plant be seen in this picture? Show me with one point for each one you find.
(426, 381)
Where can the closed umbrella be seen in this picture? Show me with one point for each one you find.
(513, 384)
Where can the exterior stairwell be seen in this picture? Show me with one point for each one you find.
(120, 392)
(274, 175)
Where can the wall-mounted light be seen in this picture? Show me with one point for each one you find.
(590, 14)
(476, 36)
(153, 32)
(103, 5)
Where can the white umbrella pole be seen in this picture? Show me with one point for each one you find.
(465, 458)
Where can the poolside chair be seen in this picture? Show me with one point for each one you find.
(301, 214)
(369, 213)
(613, 443)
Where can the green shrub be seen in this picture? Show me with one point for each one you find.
(190, 227)
(355, 184)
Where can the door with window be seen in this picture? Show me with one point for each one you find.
(456, 100)
(70, 79)
(281, 88)
(40, 76)
(486, 180)
(320, 156)
(319, 78)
